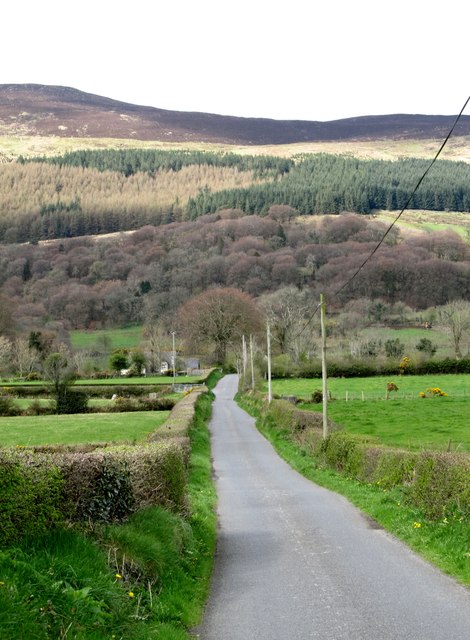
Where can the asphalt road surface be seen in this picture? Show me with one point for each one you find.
(295, 561)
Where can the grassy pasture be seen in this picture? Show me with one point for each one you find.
(405, 420)
(79, 428)
(374, 388)
(414, 424)
(122, 338)
(418, 220)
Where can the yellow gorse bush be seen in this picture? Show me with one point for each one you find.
(432, 392)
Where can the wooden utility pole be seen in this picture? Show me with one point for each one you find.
(268, 339)
(323, 365)
(244, 356)
(252, 365)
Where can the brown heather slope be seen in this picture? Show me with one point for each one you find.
(42, 110)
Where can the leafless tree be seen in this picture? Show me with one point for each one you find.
(219, 317)
(455, 318)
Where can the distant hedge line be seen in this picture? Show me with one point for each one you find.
(362, 369)
(436, 482)
(42, 487)
(92, 391)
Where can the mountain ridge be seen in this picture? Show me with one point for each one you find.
(49, 110)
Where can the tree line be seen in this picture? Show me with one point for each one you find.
(131, 161)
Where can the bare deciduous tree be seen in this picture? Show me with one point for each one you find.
(219, 317)
(455, 318)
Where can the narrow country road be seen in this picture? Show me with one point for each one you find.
(295, 561)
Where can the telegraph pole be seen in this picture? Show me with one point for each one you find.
(252, 365)
(268, 339)
(323, 365)
(244, 358)
(174, 358)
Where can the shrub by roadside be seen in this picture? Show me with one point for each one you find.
(436, 482)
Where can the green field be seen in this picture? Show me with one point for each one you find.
(456, 385)
(405, 420)
(79, 428)
(124, 338)
(431, 423)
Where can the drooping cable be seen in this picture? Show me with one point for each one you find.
(376, 248)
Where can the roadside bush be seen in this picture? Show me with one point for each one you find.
(180, 419)
(389, 467)
(72, 401)
(47, 485)
(440, 485)
(158, 474)
(344, 452)
(8, 406)
(97, 487)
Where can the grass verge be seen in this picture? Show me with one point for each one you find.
(444, 543)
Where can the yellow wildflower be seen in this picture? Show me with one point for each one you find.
(416, 525)
(118, 576)
(131, 594)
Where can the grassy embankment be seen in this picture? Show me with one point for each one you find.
(445, 543)
(147, 578)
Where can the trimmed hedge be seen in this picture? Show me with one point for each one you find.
(44, 486)
(180, 418)
(31, 491)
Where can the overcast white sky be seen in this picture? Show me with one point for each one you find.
(296, 60)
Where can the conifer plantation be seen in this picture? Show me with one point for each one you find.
(96, 192)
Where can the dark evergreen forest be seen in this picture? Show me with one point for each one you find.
(130, 161)
(333, 184)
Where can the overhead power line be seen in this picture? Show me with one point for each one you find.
(348, 282)
(382, 239)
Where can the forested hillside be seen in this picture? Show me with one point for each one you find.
(98, 192)
(131, 278)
